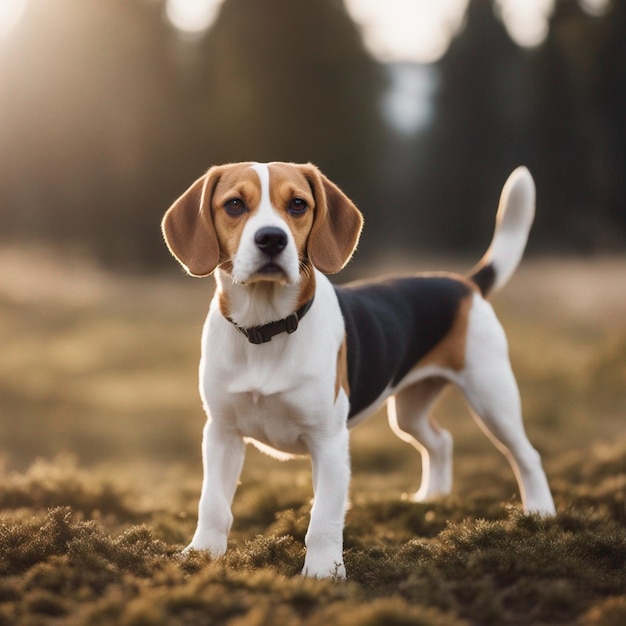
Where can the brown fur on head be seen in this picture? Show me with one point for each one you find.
(203, 236)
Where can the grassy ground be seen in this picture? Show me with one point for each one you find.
(100, 424)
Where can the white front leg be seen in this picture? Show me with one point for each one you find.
(331, 479)
(222, 458)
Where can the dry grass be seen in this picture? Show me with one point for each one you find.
(100, 425)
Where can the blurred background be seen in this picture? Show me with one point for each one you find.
(417, 109)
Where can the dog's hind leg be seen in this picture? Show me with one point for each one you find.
(409, 418)
(490, 388)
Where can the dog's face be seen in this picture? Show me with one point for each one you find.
(262, 229)
(262, 222)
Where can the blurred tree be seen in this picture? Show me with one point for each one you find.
(479, 132)
(86, 130)
(289, 80)
(107, 114)
(558, 109)
(578, 129)
(608, 96)
(112, 114)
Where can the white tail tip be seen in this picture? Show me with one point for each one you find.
(516, 212)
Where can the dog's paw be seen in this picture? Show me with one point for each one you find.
(323, 568)
(213, 543)
(544, 508)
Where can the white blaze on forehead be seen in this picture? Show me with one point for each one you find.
(249, 259)
(266, 213)
(263, 172)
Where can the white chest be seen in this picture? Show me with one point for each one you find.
(271, 393)
(273, 421)
(283, 393)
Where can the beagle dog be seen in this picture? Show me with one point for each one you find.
(290, 362)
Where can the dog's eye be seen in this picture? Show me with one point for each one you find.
(297, 206)
(235, 207)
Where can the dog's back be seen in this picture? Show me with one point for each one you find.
(391, 325)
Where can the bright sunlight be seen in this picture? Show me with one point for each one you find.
(192, 17)
(11, 12)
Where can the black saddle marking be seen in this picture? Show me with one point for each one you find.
(391, 325)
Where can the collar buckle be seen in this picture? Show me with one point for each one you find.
(291, 323)
(254, 335)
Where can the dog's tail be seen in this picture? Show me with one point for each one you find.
(516, 212)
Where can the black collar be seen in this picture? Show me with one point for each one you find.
(264, 333)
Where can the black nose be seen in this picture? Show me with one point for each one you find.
(271, 240)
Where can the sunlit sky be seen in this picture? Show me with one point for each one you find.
(407, 30)
(407, 34)
(393, 30)
(417, 31)
(192, 16)
(11, 12)
(421, 30)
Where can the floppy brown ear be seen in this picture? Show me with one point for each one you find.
(188, 227)
(337, 225)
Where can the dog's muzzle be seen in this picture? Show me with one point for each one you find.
(271, 241)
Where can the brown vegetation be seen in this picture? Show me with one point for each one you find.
(100, 426)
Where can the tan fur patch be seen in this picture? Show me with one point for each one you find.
(222, 299)
(450, 351)
(288, 182)
(341, 377)
(238, 181)
(307, 284)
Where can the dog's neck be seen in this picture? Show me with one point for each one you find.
(262, 302)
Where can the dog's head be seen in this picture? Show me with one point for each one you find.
(260, 222)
